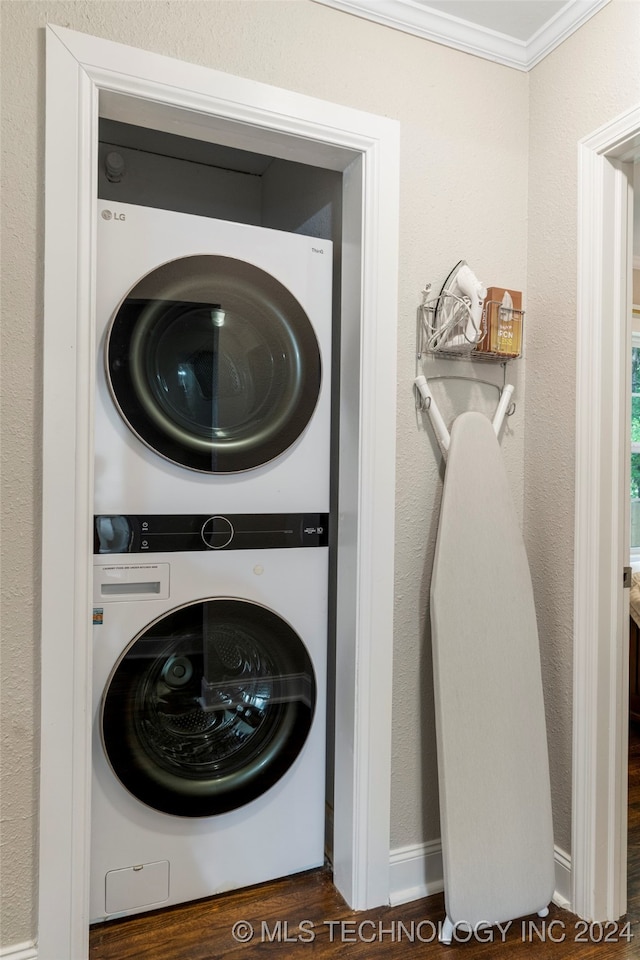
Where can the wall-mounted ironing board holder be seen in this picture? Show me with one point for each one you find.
(428, 403)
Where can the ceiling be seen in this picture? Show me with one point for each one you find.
(518, 33)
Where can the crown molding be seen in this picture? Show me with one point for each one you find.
(572, 16)
(414, 17)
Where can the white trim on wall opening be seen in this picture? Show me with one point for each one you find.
(82, 71)
(600, 686)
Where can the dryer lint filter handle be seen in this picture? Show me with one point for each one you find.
(130, 581)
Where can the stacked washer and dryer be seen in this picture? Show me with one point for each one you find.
(212, 448)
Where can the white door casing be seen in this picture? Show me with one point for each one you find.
(600, 686)
(88, 77)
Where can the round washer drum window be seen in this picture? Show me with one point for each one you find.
(208, 707)
(213, 364)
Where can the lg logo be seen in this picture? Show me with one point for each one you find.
(108, 215)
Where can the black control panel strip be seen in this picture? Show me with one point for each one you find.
(160, 533)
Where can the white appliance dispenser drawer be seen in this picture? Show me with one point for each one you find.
(130, 581)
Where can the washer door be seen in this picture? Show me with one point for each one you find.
(208, 707)
(213, 364)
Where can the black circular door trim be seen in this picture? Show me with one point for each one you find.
(195, 747)
(219, 372)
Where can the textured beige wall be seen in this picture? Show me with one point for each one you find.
(20, 397)
(586, 82)
(463, 195)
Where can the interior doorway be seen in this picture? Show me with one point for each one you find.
(601, 604)
(633, 807)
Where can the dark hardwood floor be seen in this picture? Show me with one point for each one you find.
(304, 917)
(633, 844)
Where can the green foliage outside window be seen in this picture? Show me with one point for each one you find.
(635, 422)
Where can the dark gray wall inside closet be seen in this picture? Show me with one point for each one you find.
(192, 176)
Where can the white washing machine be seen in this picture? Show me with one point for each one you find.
(214, 365)
(209, 705)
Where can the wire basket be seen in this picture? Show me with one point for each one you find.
(498, 336)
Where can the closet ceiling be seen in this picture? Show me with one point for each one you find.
(518, 33)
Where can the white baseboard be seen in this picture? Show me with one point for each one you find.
(20, 951)
(562, 895)
(416, 872)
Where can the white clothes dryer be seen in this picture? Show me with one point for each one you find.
(214, 365)
(209, 705)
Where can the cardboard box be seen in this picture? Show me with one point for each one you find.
(503, 327)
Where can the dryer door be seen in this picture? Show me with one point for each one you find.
(213, 364)
(208, 707)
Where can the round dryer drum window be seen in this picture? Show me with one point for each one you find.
(213, 364)
(208, 707)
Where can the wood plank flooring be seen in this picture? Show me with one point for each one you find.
(304, 917)
(633, 843)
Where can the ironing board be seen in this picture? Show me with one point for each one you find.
(493, 770)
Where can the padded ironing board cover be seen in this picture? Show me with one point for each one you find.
(493, 769)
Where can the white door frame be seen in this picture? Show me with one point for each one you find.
(600, 685)
(86, 76)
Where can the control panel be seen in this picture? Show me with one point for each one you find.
(144, 533)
